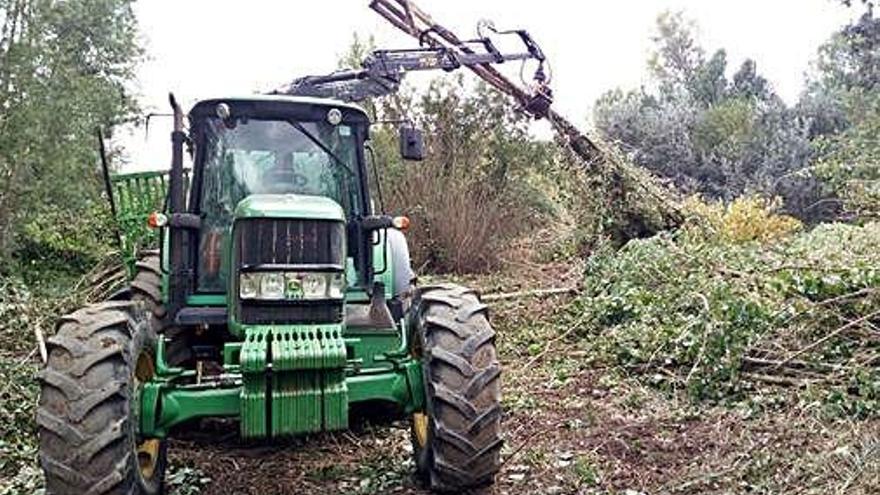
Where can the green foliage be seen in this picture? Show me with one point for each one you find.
(688, 312)
(851, 58)
(18, 450)
(708, 134)
(185, 480)
(725, 128)
(850, 160)
(63, 243)
(64, 71)
(19, 314)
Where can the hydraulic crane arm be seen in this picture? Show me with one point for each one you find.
(383, 70)
(645, 197)
(642, 204)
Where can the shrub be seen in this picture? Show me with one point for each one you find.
(458, 224)
(747, 218)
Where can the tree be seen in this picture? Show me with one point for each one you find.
(65, 68)
(851, 58)
(844, 100)
(709, 135)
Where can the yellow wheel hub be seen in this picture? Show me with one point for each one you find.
(420, 428)
(147, 450)
(148, 456)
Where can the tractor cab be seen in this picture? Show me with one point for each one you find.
(278, 181)
(290, 158)
(276, 224)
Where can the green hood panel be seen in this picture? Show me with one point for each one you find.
(289, 206)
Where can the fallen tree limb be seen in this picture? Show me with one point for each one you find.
(829, 336)
(530, 293)
(782, 380)
(755, 362)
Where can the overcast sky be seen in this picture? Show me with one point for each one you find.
(208, 48)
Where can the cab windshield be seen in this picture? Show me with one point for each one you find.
(278, 157)
(252, 156)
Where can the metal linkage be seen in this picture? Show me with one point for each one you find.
(536, 100)
(382, 72)
(409, 18)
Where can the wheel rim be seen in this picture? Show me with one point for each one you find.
(147, 450)
(420, 428)
(419, 419)
(148, 457)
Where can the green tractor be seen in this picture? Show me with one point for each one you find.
(274, 294)
(277, 297)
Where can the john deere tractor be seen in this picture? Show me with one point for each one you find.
(274, 294)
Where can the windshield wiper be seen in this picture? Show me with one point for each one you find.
(320, 144)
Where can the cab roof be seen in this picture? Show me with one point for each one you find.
(281, 99)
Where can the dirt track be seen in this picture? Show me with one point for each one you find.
(570, 428)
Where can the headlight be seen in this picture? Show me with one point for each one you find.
(291, 285)
(271, 285)
(336, 287)
(314, 285)
(249, 285)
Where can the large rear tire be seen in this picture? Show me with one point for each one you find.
(457, 438)
(146, 286)
(88, 408)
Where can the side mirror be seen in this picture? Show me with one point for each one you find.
(412, 143)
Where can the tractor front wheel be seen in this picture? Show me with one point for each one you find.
(457, 438)
(88, 409)
(147, 288)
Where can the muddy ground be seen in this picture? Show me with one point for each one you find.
(571, 428)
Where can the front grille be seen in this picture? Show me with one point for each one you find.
(260, 313)
(287, 244)
(267, 241)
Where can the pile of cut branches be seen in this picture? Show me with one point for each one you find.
(691, 310)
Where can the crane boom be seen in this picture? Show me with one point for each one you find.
(644, 205)
(383, 70)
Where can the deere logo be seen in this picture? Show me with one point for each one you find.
(294, 288)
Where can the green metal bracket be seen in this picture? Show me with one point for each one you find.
(403, 387)
(162, 368)
(231, 354)
(163, 406)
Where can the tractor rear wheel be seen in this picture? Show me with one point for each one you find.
(457, 438)
(147, 287)
(88, 410)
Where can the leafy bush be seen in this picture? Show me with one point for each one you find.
(748, 218)
(850, 161)
(714, 316)
(59, 243)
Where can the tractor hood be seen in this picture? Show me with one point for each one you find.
(289, 206)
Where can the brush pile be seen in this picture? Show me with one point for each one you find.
(717, 314)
